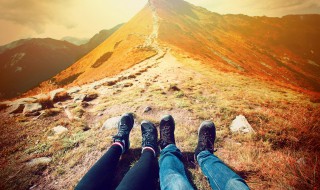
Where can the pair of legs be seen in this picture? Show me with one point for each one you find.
(172, 172)
(143, 175)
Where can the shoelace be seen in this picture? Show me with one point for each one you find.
(166, 135)
(147, 137)
(205, 140)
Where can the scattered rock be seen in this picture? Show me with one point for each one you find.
(241, 125)
(59, 130)
(147, 109)
(90, 97)
(59, 95)
(45, 101)
(3, 106)
(73, 90)
(32, 109)
(39, 161)
(84, 104)
(79, 98)
(100, 114)
(173, 88)
(128, 84)
(15, 108)
(25, 100)
(111, 123)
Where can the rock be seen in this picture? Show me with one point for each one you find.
(85, 97)
(3, 106)
(39, 161)
(111, 123)
(15, 108)
(32, 109)
(90, 97)
(59, 130)
(25, 100)
(79, 98)
(147, 109)
(128, 84)
(73, 90)
(173, 88)
(59, 95)
(241, 125)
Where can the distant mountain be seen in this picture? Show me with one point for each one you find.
(26, 63)
(283, 50)
(99, 38)
(75, 41)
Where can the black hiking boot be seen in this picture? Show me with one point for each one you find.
(149, 136)
(124, 127)
(206, 137)
(167, 127)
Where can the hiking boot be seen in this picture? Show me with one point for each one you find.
(124, 127)
(149, 136)
(166, 131)
(206, 137)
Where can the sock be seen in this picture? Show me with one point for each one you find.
(149, 148)
(119, 144)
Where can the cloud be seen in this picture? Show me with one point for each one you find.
(34, 14)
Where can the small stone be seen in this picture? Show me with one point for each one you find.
(111, 123)
(147, 109)
(59, 130)
(32, 109)
(241, 125)
(128, 84)
(15, 108)
(39, 161)
(90, 97)
(100, 114)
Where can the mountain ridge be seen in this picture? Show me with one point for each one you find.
(256, 46)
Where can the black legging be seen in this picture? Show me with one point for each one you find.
(143, 175)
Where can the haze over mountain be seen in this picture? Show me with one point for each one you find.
(258, 46)
(26, 63)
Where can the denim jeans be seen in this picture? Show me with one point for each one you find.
(173, 176)
(172, 172)
(220, 176)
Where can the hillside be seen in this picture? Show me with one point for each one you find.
(157, 64)
(24, 64)
(261, 47)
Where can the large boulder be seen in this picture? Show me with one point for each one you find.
(32, 109)
(241, 125)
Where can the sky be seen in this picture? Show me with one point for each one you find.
(84, 18)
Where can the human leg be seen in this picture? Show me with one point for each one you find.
(172, 171)
(102, 172)
(144, 174)
(220, 176)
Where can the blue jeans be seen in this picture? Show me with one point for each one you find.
(220, 176)
(173, 176)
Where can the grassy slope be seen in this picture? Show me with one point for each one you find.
(281, 155)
